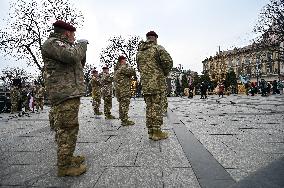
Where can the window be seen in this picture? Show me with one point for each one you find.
(269, 67)
(230, 64)
(247, 61)
(237, 62)
(269, 56)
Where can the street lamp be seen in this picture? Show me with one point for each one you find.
(280, 57)
(180, 68)
(257, 71)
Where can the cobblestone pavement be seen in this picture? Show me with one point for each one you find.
(242, 137)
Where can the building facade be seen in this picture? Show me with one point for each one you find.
(254, 62)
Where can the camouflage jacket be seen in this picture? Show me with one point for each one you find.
(39, 92)
(154, 63)
(63, 68)
(96, 86)
(106, 81)
(123, 81)
(116, 66)
(15, 94)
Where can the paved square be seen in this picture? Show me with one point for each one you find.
(242, 138)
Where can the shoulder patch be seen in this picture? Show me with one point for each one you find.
(60, 43)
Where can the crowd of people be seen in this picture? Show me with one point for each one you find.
(26, 98)
(264, 88)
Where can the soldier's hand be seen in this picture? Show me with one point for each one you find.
(83, 41)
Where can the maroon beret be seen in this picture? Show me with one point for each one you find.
(121, 58)
(105, 67)
(152, 33)
(64, 25)
(94, 71)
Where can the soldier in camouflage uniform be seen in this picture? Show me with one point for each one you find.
(123, 90)
(15, 98)
(39, 97)
(106, 81)
(26, 98)
(154, 63)
(64, 80)
(116, 66)
(96, 92)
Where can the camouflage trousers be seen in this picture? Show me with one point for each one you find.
(51, 118)
(107, 105)
(14, 106)
(26, 103)
(154, 116)
(164, 102)
(123, 108)
(96, 103)
(39, 103)
(67, 127)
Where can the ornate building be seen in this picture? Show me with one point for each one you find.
(253, 61)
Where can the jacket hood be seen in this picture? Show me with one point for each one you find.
(145, 45)
(59, 36)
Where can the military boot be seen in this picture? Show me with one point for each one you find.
(127, 123)
(159, 135)
(71, 171)
(165, 114)
(110, 116)
(77, 160)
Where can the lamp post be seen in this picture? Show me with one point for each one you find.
(280, 58)
(180, 67)
(257, 71)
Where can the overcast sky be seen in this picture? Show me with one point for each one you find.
(190, 30)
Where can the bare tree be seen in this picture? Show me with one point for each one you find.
(120, 46)
(29, 24)
(10, 73)
(87, 77)
(271, 23)
(271, 29)
(87, 72)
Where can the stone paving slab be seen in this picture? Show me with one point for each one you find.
(269, 176)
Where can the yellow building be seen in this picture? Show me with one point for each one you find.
(253, 61)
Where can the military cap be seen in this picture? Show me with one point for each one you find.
(94, 71)
(152, 33)
(64, 25)
(105, 67)
(121, 58)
